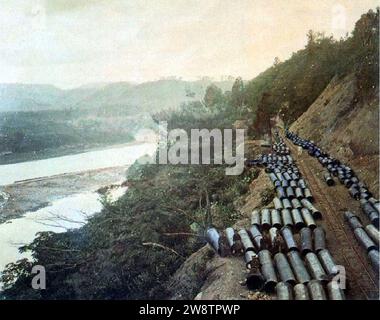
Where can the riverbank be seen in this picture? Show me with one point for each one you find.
(29, 186)
(13, 158)
(33, 194)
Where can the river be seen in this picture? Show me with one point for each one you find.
(110, 157)
(66, 213)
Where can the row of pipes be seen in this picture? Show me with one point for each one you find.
(284, 249)
(368, 236)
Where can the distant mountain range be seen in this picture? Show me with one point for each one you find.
(148, 96)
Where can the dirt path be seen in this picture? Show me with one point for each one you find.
(332, 202)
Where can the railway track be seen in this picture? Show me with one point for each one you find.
(332, 202)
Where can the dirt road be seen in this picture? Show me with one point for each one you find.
(332, 202)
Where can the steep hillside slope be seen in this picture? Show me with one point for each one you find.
(290, 87)
(346, 126)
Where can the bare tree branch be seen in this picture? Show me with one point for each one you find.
(153, 244)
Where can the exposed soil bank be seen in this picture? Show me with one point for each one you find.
(347, 126)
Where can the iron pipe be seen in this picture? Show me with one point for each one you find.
(296, 203)
(233, 241)
(280, 176)
(375, 203)
(277, 203)
(287, 235)
(286, 204)
(342, 178)
(361, 184)
(277, 183)
(306, 241)
(290, 193)
(270, 277)
(283, 268)
(308, 218)
(328, 179)
(265, 256)
(293, 184)
(249, 258)
(352, 220)
(354, 192)
(366, 191)
(273, 177)
(364, 240)
(246, 241)
(284, 291)
(363, 196)
(373, 233)
(347, 181)
(370, 211)
(295, 176)
(257, 237)
(286, 218)
(287, 176)
(315, 212)
(316, 290)
(302, 184)
(328, 262)
(255, 218)
(276, 218)
(284, 183)
(265, 219)
(298, 267)
(299, 193)
(334, 292)
(308, 194)
(319, 239)
(354, 180)
(255, 280)
(301, 292)
(315, 267)
(213, 238)
(297, 218)
(281, 193)
(374, 258)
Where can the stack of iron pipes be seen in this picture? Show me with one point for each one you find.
(367, 237)
(285, 241)
(345, 174)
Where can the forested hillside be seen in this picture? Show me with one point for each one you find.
(290, 87)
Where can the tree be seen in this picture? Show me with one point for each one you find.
(276, 62)
(238, 93)
(213, 96)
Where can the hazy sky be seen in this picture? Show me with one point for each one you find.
(73, 42)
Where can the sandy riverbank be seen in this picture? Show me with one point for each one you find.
(31, 195)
